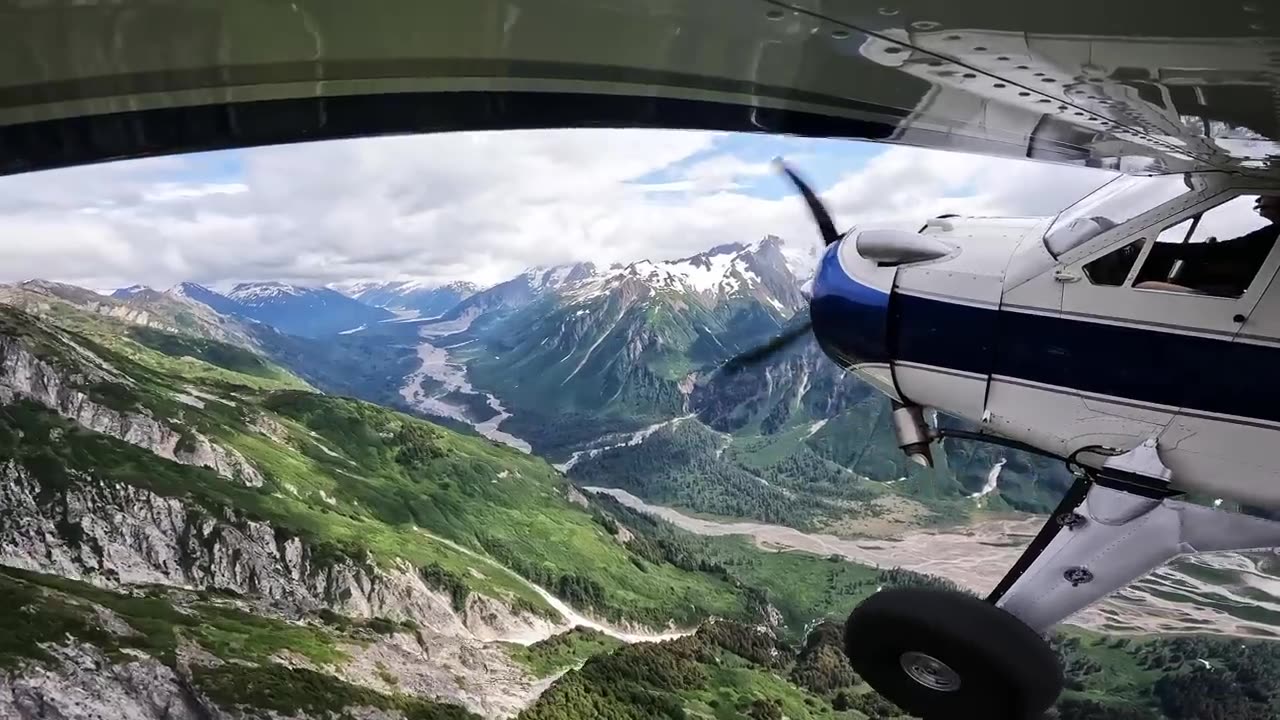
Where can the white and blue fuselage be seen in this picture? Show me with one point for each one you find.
(1001, 332)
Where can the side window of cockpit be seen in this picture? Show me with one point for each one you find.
(1217, 252)
(1113, 268)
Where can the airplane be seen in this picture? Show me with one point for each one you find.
(1131, 335)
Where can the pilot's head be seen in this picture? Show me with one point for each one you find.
(1268, 206)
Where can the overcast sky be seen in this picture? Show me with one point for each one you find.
(477, 206)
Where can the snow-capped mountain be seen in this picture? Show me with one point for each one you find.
(625, 341)
(213, 299)
(521, 290)
(129, 292)
(722, 274)
(543, 279)
(306, 311)
(429, 300)
(139, 305)
(293, 309)
(265, 293)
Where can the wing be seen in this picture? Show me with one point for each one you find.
(1086, 83)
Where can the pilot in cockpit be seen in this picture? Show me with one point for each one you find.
(1220, 268)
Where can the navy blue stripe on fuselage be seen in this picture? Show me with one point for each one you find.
(1161, 367)
(850, 318)
(943, 334)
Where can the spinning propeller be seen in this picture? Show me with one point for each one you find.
(827, 227)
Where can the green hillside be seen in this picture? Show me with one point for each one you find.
(793, 439)
(359, 479)
(726, 670)
(492, 500)
(568, 650)
(44, 610)
(371, 488)
(615, 352)
(614, 362)
(796, 441)
(731, 671)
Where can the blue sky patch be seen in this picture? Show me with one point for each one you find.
(822, 161)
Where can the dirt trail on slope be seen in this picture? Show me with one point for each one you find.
(572, 618)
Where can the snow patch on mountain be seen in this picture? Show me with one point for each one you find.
(193, 291)
(705, 273)
(542, 279)
(132, 291)
(256, 293)
(723, 272)
(426, 298)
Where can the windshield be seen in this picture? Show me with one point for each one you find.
(1117, 202)
(552, 400)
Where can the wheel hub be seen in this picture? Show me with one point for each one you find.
(929, 672)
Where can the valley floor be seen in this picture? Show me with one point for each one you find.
(1239, 598)
(449, 392)
(244, 547)
(1174, 599)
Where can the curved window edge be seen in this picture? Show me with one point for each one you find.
(1114, 203)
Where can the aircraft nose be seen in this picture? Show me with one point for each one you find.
(850, 306)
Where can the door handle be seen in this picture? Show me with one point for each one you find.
(1239, 318)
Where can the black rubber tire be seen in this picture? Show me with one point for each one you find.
(1007, 671)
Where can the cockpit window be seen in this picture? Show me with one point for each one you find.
(1113, 268)
(1117, 202)
(1217, 252)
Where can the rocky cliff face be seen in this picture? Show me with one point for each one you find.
(798, 383)
(171, 312)
(112, 534)
(24, 375)
(117, 536)
(84, 684)
(90, 509)
(478, 676)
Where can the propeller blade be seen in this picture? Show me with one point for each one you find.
(820, 215)
(762, 352)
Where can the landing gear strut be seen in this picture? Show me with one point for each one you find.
(941, 654)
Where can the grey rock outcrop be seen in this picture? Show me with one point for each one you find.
(113, 534)
(84, 684)
(26, 376)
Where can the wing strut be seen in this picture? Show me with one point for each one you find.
(1112, 529)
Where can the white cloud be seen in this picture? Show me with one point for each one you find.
(478, 206)
(716, 173)
(904, 186)
(179, 191)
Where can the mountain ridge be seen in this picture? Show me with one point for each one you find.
(120, 466)
(143, 306)
(616, 349)
(295, 309)
(427, 299)
(356, 560)
(519, 291)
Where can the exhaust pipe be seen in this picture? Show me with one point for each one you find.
(913, 433)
